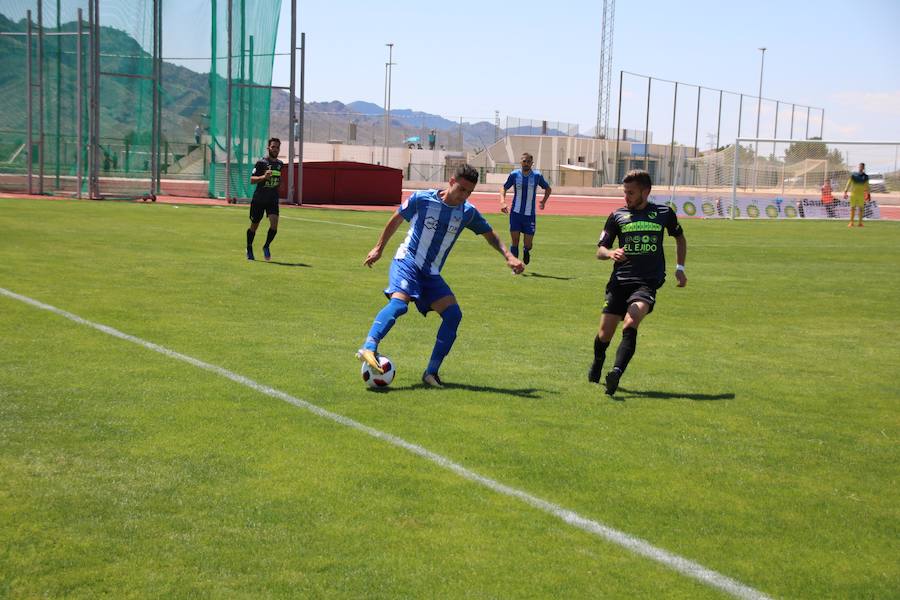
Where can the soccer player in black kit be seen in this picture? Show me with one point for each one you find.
(639, 270)
(266, 176)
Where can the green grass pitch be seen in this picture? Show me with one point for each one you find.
(756, 432)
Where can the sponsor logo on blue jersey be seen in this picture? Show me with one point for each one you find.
(434, 228)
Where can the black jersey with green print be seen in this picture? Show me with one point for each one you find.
(267, 191)
(640, 233)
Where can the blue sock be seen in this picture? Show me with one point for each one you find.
(514, 250)
(384, 320)
(446, 335)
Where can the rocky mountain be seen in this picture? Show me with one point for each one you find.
(125, 104)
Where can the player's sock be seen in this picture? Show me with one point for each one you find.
(626, 348)
(446, 335)
(270, 235)
(384, 320)
(514, 250)
(250, 235)
(599, 357)
(526, 256)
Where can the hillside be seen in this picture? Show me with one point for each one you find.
(125, 104)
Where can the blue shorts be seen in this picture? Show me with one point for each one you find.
(520, 222)
(422, 287)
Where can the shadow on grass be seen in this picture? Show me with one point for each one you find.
(672, 395)
(541, 276)
(285, 264)
(520, 392)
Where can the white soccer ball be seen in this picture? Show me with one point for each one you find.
(374, 379)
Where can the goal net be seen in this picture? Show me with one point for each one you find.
(758, 178)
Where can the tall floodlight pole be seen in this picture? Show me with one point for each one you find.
(606, 48)
(385, 154)
(762, 63)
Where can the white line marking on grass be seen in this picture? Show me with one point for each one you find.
(320, 221)
(329, 222)
(634, 544)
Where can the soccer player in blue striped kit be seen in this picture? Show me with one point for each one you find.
(523, 216)
(436, 218)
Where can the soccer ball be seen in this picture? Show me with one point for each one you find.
(374, 379)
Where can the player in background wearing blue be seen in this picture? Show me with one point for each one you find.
(522, 217)
(266, 177)
(639, 270)
(436, 218)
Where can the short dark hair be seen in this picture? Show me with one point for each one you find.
(273, 140)
(640, 177)
(467, 172)
(529, 155)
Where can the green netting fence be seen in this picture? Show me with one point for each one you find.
(135, 146)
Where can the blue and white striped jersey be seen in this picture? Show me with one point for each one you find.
(526, 187)
(433, 229)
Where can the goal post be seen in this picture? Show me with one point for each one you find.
(768, 178)
(778, 178)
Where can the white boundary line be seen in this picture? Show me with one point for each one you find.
(636, 545)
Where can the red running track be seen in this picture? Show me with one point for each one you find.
(486, 202)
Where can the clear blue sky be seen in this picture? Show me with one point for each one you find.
(541, 59)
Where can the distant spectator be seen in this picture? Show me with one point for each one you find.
(296, 129)
(828, 198)
(432, 139)
(197, 133)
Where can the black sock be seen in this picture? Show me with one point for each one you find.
(270, 235)
(600, 349)
(250, 235)
(626, 348)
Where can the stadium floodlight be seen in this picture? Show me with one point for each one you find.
(762, 64)
(386, 153)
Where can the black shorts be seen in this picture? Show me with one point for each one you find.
(260, 207)
(619, 296)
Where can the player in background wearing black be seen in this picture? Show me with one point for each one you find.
(266, 176)
(639, 270)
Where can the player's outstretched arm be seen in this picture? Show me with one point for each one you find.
(680, 256)
(512, 262)
(389, 229)
(503, 208)
(547, 192)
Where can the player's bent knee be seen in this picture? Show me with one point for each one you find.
(452, 314)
